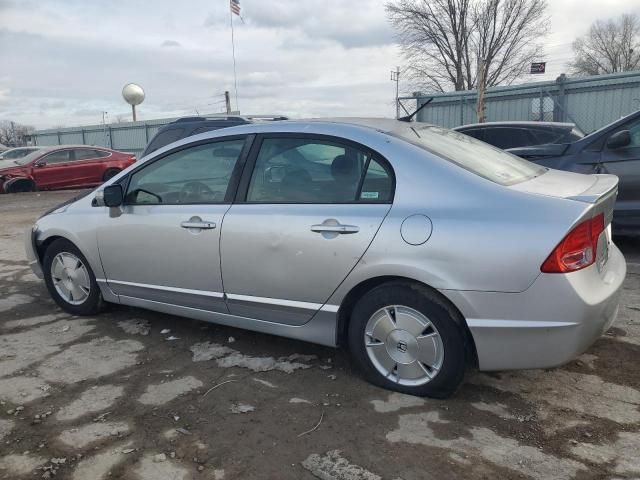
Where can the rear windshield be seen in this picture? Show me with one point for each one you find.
(473, 155)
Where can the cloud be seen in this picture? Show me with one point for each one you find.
(170, 44)
(302, 58)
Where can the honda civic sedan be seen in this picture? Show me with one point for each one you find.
(419, 249)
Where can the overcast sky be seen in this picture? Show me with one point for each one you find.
(64, 62)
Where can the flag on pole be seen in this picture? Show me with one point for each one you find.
(235, 6)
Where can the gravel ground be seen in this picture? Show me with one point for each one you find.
(136, 394)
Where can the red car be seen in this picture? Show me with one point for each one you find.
(63, 166)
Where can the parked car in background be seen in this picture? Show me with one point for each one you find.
(521, 134)
(417, 247)
(18, 152)
(63, 166)
(613, 149)
(188, 126)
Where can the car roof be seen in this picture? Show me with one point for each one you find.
(384, 125)
(516, 123)
(347, 127)
(25, 148)
(49, 148)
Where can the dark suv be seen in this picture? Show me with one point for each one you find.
(521, 134)
(614, 149)
(185, 127)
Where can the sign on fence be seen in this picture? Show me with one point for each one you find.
(538, 67)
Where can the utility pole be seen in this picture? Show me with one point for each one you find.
(395, 77)
(104, 128)
(227, 101)
(481, 90)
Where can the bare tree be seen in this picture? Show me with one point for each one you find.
(14, 134)
(610, 46)
(446, 42)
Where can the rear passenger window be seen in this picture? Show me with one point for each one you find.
(85, 154)
(295, 170)
(100, 154)
(377, 185)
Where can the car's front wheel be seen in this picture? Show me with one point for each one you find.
(109, 174)
(70, 280)
(404, 337)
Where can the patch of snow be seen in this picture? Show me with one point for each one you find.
(135, 327)
(484, 443)
(93, 432)
(242, 408)
(165, 392)
(397, 401)
(92, 400)
(333, 466)
(94, 359)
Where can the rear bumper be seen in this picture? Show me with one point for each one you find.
(30, 235)
(549, 324)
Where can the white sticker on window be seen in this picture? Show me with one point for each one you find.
(369, 195)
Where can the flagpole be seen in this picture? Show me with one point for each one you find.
(233, 49)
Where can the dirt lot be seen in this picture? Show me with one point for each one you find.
(136, 394)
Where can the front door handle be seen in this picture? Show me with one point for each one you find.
(342, 229)
(199, 224)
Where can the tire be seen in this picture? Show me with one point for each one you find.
(88, 298)
(109, 174)
(21, 186)
(414, 323)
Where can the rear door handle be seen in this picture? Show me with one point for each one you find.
(202, 225)
(342, 229)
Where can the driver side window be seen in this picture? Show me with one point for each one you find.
(195, 175)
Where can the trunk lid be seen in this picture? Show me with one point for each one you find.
(572, 186)
(597, 192)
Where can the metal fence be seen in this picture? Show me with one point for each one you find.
(127, 136)
(589, 102)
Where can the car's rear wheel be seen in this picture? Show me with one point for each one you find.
(109, 174)
(70, 280)
(407, 338)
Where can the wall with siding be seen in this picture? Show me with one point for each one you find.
(129, 136)
(590, 102)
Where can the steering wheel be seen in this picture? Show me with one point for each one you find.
(195, 192)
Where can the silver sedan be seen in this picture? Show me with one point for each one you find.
(419, 249)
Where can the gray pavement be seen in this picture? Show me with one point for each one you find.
(136, 394)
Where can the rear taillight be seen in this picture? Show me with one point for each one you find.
(578, 249)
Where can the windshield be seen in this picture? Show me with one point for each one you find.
(29, 158)
(473, 155)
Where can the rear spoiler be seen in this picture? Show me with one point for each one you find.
(604, 186)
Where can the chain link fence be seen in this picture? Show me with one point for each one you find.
(588, 102)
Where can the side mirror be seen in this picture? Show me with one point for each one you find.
(619, 139)
(40, 163)
(112, 195)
